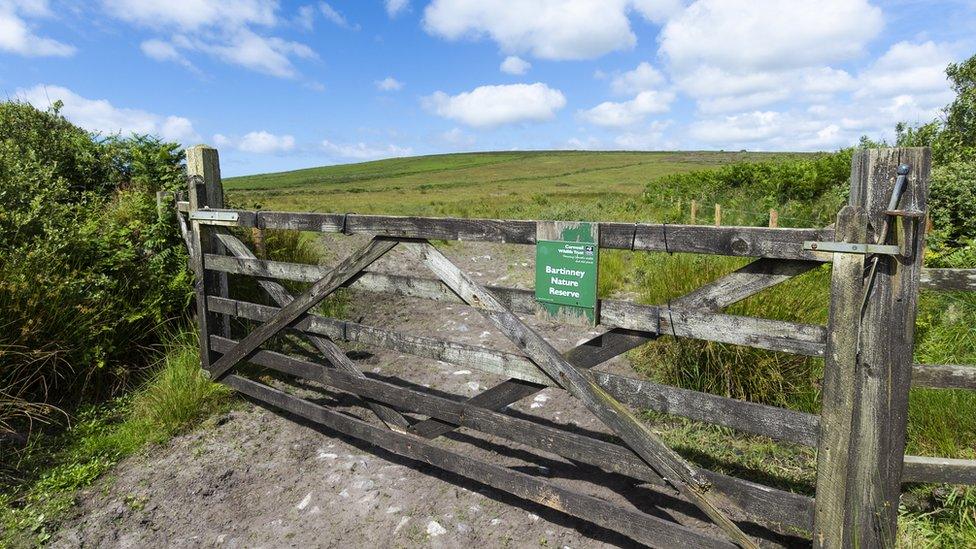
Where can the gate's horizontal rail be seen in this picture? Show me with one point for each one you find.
(722, 240)
(948, 279)
(777, 423)
(762, 333)
(939, 470)
(944, 376)
(761, 501)
(781, 243)
(615, 313)
(639, 526)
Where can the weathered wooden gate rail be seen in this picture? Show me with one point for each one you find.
(867, 349)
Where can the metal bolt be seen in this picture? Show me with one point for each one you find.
(813, 246)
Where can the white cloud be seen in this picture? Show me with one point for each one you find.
(224, 29)
(192, 15)
(268, 55)
(627, 113)
(334, 16)
(548, 29)
(17, 36)
(491, 106)
(908, 68)
(160, 50)
(262, 142)
(396, 7)
(514, 65)
(305, 17)
(758, 35)
(734, 56)
(99, 115)
(389, 84)
(646, 139)
(362, 151)
(644, 77)
(658, 11)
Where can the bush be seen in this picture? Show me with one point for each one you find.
(809, 189)
(88, 269)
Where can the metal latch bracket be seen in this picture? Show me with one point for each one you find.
(215, 217)
(851, 248)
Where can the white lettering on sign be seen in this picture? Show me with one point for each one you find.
(564, 282)
(565, 272)
(563, 293)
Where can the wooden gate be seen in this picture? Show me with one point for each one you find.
(867, 347)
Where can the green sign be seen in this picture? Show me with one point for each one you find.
(566, 268)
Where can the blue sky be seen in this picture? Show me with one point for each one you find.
(283, 85)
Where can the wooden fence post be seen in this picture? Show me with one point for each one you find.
(878, 392)
(694, 211)
(840, 361)
(773, 218)
(718, 215)
(206, 191)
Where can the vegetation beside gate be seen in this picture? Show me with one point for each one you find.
(88, 239)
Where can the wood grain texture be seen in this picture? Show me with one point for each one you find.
(585, 355)
(884, 367)
(939, 470)
(611, 412)
(343, 272)
(781, 243)
(641, 527)
(759, 419)
(944, 376)
(840, 363)
(205, 190)
(763, 503)
(332, 353)
(762, 333)
(948, 280)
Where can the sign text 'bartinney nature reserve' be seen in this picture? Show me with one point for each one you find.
(566, 261)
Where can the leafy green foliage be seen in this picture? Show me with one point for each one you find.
(805, 189)
(88, 268)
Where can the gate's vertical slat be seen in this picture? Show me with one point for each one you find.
(884, 369)
(840, 360)
(206, 190)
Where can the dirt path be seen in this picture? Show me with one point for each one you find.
(255, 478)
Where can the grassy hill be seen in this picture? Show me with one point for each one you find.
(471, 184)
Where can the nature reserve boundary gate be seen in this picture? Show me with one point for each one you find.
(867, 346)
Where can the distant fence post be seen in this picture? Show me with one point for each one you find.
(879, 376)
(773, 218)
(206, 191)
(718, 215)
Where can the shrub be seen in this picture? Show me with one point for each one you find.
(88, 268)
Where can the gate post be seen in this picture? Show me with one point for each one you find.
(206, 191)
(866, 387)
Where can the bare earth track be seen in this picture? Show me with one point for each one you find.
(256, 478)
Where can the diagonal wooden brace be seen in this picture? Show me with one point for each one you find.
(585, 355)
(639, 437)
(348, 269)
(740, 284)
(393, 419)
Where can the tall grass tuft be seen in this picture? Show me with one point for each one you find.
(53, 466)
(734, 371)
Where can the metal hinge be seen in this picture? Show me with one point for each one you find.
(851, 248)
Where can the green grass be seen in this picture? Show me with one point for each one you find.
(54, 467)
(621, 187)
(509, 184)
